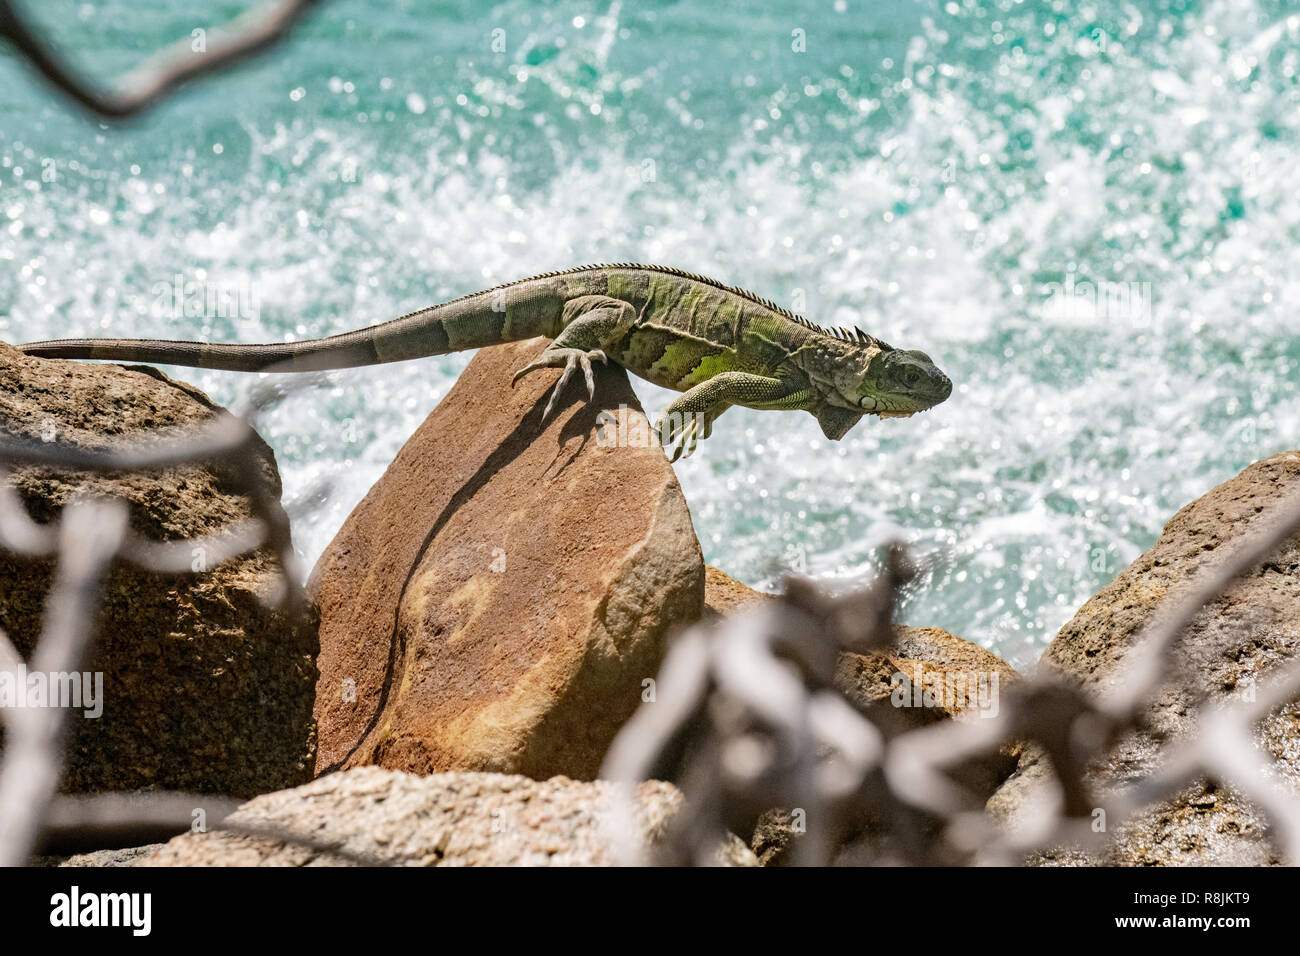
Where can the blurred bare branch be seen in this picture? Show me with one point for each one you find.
(144, 87)
(80, 823)
(89, 535)
(747, 722)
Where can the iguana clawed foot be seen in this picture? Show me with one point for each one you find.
(569, 360)
(682, 432)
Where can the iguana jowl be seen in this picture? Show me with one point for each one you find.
(720, 345)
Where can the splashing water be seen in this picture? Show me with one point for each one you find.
(1082, 211)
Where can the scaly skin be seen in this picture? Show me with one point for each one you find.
(719, 345)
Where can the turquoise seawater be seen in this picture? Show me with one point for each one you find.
(1087, 212)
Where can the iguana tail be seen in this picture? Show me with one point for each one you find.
(506, 314)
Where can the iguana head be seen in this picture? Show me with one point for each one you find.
(891, 383)
(898, 383)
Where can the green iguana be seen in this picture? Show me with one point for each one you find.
(720, 345)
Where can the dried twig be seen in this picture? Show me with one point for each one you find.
(89, 535)
(739, 733)
(144, 87)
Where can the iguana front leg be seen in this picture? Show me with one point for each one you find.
(592, 323)
(690, 418)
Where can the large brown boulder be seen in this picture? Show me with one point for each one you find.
(496, 600)
(1228, 651)
(369, 816)
(204, 687)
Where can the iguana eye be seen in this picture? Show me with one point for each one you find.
(911, 377)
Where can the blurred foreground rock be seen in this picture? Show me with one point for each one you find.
(204, 688)
(496, 600)
(447, 819)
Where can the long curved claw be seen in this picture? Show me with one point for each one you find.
(678, 434)
(590, 376)
(661, 430)
(595, 355)
(689, 441)
(569, 366)
(530, 367)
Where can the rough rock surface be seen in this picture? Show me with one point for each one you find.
(1229, 649)
(127, 856)
(723, 594)
(955, 679)
(447, 819)
(501, 593)
(953, 676)
(205, 688)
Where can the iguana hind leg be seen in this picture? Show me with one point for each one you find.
(689, 419)
(595, 325)
(567, 359)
